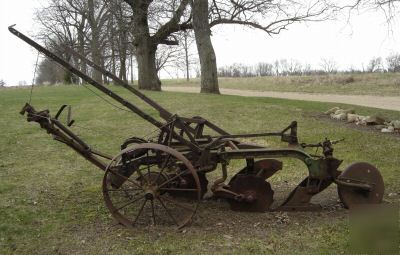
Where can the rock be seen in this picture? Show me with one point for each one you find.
(375, 120)
(361, 120)
(380, 127)
(340, 116)
(389, 129)
(351, 111)
(392, 194)
(395, 124)
(352, 117)
(332, 110)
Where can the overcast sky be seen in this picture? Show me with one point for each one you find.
(350, 45)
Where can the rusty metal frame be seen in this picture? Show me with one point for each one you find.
(186, 136)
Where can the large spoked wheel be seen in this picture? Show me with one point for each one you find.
(361, 172)
(140, 186)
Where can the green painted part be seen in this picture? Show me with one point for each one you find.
(317, 167)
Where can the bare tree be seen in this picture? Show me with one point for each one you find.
(277, 67)
(56, 27)
(179, 57)
(167, 57)
(152, 25)
(76, 24)
(186, 42)
(2, 83)
(375, 65)
(207, 57)
(328, 65)
(388, 7)
(50, 73)
(306, 69)
(22, 83)
(264, 69)
(271, 17)
(393, 63)
(120, 31)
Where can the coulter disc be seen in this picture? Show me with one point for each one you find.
(364, 173)
(257, 191)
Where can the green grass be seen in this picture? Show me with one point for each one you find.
(385, 84)
(51, 202)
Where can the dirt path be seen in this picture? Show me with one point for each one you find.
(382, 102)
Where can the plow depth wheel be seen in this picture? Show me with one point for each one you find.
(364, 173)
(143, 196)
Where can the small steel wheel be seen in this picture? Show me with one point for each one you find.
(361, 172)
(140, 184)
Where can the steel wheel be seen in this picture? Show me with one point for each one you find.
(139, 182)
(366, 173)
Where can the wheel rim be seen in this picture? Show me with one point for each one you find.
(363, 172)
(147, 174)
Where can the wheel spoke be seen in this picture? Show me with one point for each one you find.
(140, 212)
(129, 203)
(148, 168)
(179, 204)
(126, 178)
(173, 178)
(139, 198)
(139, 171)
(167, 210)
(152, 213)
(163, 167)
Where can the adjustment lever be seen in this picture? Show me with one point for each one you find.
(69, 121)
(60, 111)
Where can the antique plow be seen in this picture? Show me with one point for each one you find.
(162, 181)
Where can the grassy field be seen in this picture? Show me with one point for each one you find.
(51, 201)
(386, 84)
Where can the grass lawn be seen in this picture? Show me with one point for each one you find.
(51, 201)
(384, 84)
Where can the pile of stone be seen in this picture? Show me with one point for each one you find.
(378, 122)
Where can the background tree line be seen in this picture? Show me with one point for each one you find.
(284, 67)
(155, 34)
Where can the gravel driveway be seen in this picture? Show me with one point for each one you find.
(382, 102)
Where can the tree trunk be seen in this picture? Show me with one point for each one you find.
(131, 64)
(81, 46)
(95, 42)
(147, 71)
(208, 61)
(145, 48)
(186, 47)
(122, 55)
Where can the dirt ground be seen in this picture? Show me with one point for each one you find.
(382, 102)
